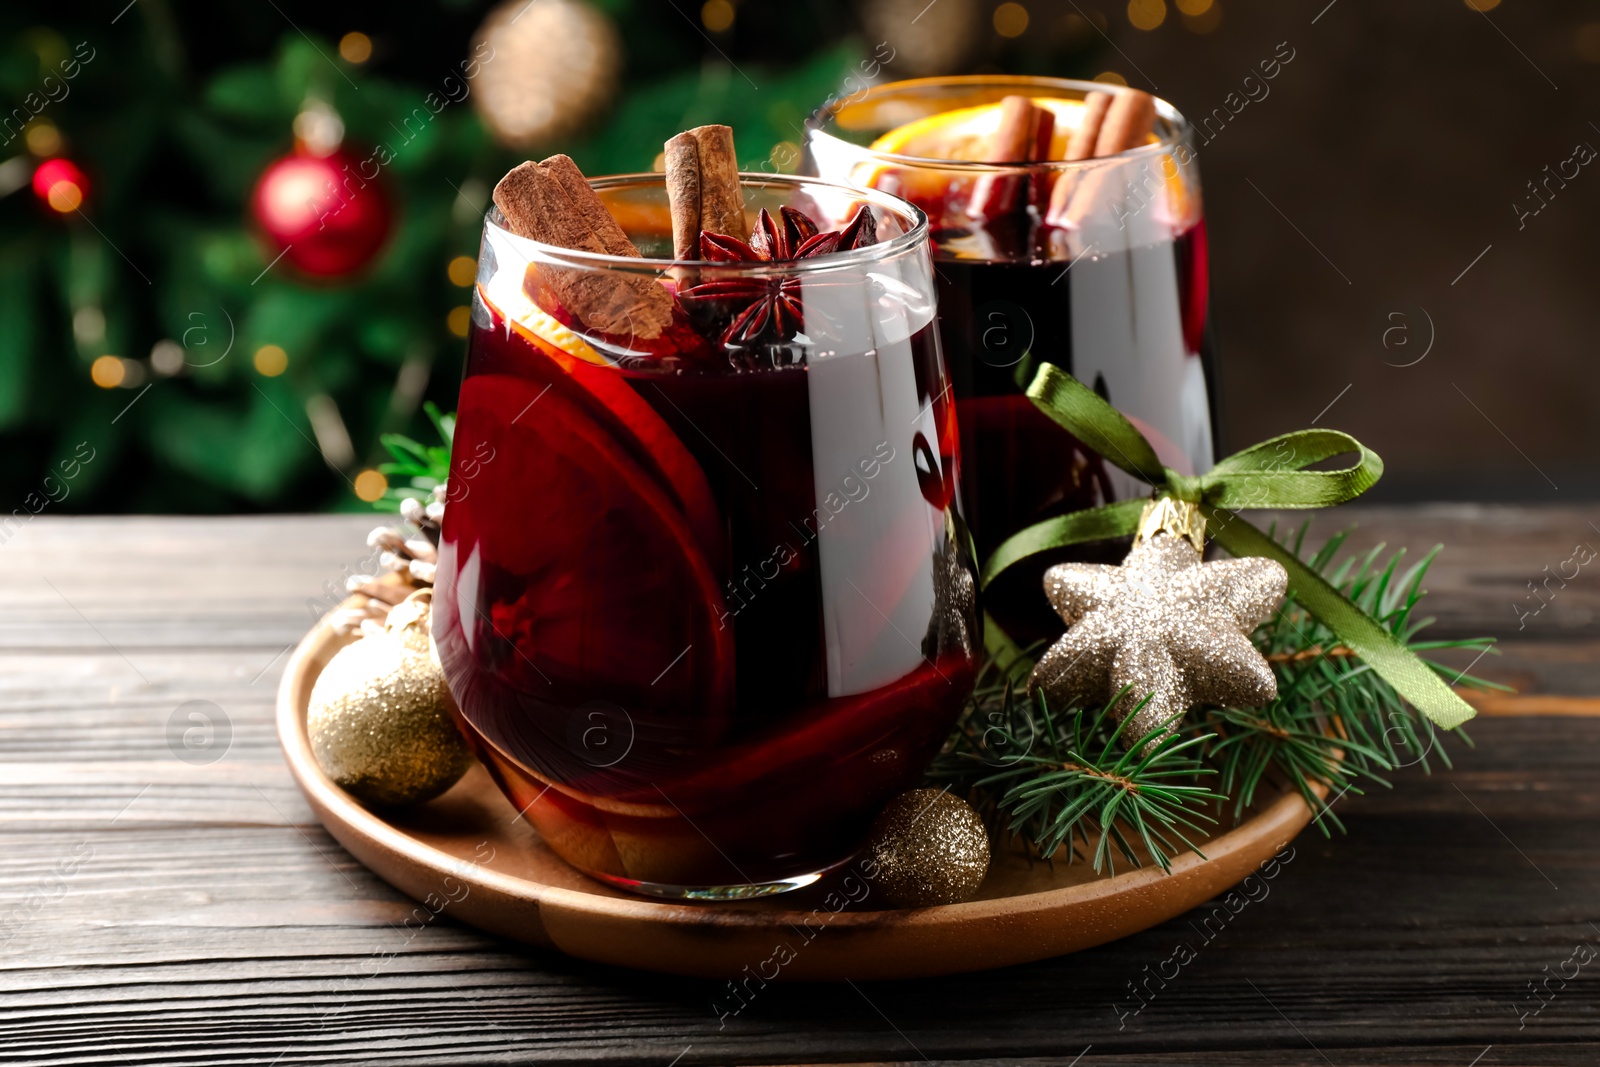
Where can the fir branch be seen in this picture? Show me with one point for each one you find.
(1335, 720)
(1059, 777)
(421, 467)
(1062, 779)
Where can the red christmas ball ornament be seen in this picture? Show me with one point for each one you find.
(321, 214)
(60, 185)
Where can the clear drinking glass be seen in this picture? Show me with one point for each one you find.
(704, 599)
(1103, 273)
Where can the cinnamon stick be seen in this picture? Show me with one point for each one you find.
(703, 188)
(1127, 122)
(721, 196)
(1016, 139)
(1082, 143)
(1023, 136)
(682, 155)
(1058, 213)
(551, 202)
(576, 186)
(1111, 123)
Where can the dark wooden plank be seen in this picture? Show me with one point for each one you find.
(1480, 583)
(1422, 927)
(155, 911)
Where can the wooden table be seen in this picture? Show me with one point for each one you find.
(155, 910)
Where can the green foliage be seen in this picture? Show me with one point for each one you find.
(174, 120)
(421, 467)
(1065, 778)
(17, 295)
(163, 251)
(1335, 720)
(1060, 777)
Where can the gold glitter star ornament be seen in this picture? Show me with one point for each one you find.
(1163, 624)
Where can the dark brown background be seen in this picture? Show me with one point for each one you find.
(1397, 141)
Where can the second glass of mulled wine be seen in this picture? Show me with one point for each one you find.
(704, 599)
(1067, 229)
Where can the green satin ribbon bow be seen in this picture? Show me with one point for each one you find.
(1269, 475)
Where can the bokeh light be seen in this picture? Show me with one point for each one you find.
(89, 324)
(1010, 20)
(166, 357)
(1207, 20)
(107, 372)
(371, 485)
(355, 47)
(1586, 42)
(1147, 14)
(785, 157)
(43, 138)
(59, 183)
(271, 361)
(716, 15)
(462, 270)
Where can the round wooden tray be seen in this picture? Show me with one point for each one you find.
(469, 855)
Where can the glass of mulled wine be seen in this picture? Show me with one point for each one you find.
(1097, 264)
(704, 599)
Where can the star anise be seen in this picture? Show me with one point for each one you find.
(768, 310)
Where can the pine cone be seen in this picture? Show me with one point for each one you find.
(405, 564)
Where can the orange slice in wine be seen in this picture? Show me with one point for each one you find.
(614, 598)
(964, 133)
(612, 399)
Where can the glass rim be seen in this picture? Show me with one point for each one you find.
(1180, 126)
(916, 233)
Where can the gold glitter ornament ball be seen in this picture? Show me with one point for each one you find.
(378, 723)
(926, 848)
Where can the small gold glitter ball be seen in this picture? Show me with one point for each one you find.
(378, 722)
(926, 848)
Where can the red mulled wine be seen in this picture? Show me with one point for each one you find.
(1130, 323)
(1067, 229)
(704, 600)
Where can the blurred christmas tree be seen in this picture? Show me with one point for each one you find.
(228, 308)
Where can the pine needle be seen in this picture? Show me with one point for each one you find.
(1060, 779)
